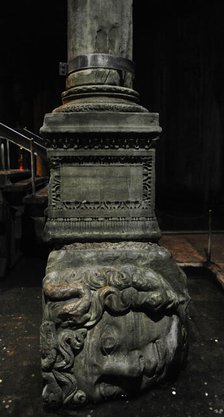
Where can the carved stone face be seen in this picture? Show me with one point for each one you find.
(126, 354)
(113, 321)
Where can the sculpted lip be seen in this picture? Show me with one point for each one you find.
(108, 391)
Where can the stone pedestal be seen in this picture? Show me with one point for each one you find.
(102, 176)
(114, 306)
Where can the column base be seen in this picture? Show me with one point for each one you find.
(68, 230)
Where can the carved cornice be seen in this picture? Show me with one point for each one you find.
(65, 141)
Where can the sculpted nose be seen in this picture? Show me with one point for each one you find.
(130, 365)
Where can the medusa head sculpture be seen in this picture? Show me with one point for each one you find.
(114, 321)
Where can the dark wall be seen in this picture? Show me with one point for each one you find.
(32, 42)
(180, 63)
(178, 51)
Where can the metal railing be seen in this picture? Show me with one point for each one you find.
(29, 141)
(20, 139)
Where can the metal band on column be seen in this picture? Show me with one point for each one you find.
(101, 61)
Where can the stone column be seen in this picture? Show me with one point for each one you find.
(106, 39)
(100, 67)
(114, 301)
(101, 140)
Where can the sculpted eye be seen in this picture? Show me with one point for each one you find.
(108, 344)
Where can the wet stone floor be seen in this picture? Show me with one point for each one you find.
(198, 390)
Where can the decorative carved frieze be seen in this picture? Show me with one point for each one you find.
(82, 142)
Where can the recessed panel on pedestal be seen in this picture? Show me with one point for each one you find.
(101, 183)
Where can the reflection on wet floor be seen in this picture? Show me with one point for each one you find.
(198, 390)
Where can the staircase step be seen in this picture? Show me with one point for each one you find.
(9, 176)
(15, 193)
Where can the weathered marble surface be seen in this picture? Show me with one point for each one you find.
(114, 313)
(109, 28)
(102, 174)
(104, 28)
(101, 128)
(113, 321)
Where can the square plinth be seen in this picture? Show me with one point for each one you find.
(101, 183)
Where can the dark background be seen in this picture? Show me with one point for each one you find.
(179, 57)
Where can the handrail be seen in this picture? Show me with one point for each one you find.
(33, 135)
(19, 139)
(27, 142)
